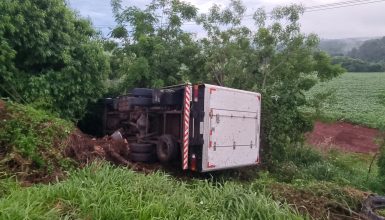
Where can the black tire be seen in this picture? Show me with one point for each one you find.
(166, 148)
(142, 92)
(143, 157)
(142, 101)
(168, 99)
(142, 148)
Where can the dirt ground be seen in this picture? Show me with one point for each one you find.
(84, 149)
(344, 136)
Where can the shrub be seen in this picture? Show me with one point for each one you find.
(49, 53)
(287, 172)
(321, 170)
(31, 139)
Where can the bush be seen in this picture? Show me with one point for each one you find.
(323, 171)
(49, 54)
(287, 172)
(31, 139)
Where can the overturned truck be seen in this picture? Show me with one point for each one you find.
(198, 127)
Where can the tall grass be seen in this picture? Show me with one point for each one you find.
(344, 169)
(102, 191)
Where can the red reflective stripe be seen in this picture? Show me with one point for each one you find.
(186, 126)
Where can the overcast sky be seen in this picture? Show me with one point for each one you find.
(366, 20)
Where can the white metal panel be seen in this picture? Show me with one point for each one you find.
(231, 130)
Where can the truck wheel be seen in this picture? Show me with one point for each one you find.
(142, 92)
(142, 101)
(143, 157)
(166, 148)
(142, 148)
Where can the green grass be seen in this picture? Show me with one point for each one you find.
(358, 98)
(305, 165)
(102, 191)
(31, 141)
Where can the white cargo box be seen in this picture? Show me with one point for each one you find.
(230, 128)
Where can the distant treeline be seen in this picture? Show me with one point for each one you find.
(358, 65)
(368, 57)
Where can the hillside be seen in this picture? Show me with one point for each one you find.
(338, 47)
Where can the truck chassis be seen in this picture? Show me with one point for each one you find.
(199, 127)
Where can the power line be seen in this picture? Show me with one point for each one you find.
(344, 6)
(313, 8)
(335, 4)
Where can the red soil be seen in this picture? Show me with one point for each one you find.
(344, 136)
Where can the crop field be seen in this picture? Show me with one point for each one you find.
(357, 97)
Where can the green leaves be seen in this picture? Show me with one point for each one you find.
(275, 59)
(48, 52)
(158, 51)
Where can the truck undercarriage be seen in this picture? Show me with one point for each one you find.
(176, 125)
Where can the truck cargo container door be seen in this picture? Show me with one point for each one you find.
(232, 128)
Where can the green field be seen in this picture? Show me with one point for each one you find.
(358, 98)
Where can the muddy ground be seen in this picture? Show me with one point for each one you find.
(344, 136)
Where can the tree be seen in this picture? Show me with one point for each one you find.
(227, 48)
(50, 55)
(370, 50)
(155, 49)
(357, 65)
(273, 58)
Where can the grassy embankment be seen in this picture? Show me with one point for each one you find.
(308, 182)
(102, 191)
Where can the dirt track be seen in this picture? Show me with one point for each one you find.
(344, 136)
